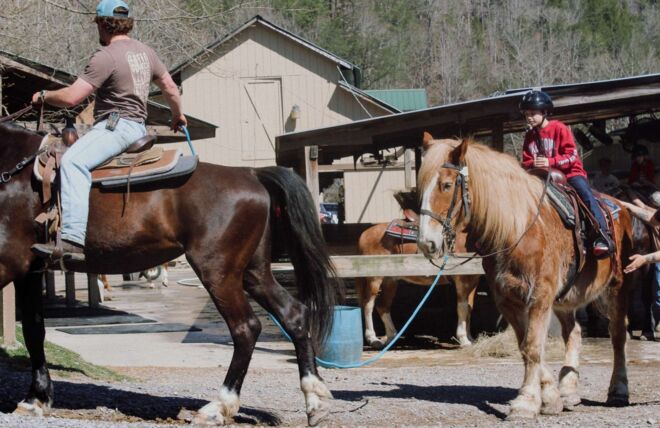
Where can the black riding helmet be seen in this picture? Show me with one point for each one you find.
(536, 100)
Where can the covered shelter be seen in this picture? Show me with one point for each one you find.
(490, 117)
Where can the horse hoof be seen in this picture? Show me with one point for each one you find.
(570, 401)
(319, 414)
(553, 408)
(616, 400)
(35, 408)
(518, 415)
(464, 343)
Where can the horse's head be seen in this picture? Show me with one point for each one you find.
(443, 187)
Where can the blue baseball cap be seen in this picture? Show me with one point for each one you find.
(108, 8)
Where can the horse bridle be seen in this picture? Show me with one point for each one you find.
(6, 176)
(462, 182)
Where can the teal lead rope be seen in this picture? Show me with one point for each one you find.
(389, 345)
(185, 131)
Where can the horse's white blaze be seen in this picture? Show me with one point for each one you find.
(315, 391)
(430, 230)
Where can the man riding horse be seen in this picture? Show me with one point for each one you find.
(120, 74)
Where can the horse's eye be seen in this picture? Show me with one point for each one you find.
(446, 187)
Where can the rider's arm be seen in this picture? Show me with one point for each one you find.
(67, 97)
(567, 152)
(173, 98)
(527, 157)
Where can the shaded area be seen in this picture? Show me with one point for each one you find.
(475, 395)
(73, 396)
(131, 329)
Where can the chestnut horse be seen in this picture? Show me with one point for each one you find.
(529, 257)
(379, 291)
(224, 221)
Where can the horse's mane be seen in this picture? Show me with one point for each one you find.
(504, 196)
(408, 199)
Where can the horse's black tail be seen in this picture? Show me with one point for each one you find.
(295, 217)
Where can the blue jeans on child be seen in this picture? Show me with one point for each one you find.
(90, 151)
(581, 186)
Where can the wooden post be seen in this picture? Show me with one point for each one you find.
(8, 315)
(50, 284)
(70, 285)
(312, 173)
(498, 137)
(93, 293)
(408, 164)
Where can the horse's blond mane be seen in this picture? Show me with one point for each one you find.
(504, 196)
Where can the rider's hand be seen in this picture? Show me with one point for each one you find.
(177, 122)
(541, 162)
(637, 262)
(36, 99)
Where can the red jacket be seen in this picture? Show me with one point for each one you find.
(556, 143)
(645, 170)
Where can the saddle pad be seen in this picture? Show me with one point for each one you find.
(164, 164)
(563, 205)
(402, 229)
(186, 165)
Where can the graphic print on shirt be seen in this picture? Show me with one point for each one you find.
(138, 62)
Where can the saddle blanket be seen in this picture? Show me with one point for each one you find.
(402, 229)
(564, 207)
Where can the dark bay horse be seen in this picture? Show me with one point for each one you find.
(224, 220)
(532, 258)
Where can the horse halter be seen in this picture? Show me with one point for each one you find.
(462, 181)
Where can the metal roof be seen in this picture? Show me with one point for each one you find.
(574, 103)
(262, 21)
(402, 99)
(22, 77)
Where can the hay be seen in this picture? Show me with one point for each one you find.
(505, 345)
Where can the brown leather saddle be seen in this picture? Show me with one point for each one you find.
(576, 216)
(140, 163)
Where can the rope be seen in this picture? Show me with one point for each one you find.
(185, 131)
(389, 345)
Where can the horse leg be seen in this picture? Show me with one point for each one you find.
(164, 279)
(224, 287)
(569, 374)
(294, 317)
(367, 291)
(40, 396)
(617, 394)
(466, 288)
(532, 334)
(384, 308)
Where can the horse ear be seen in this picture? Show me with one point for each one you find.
(427, 140)
(457, 155)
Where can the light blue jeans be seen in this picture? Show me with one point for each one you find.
(94, 148)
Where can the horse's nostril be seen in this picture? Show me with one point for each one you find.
(431, 246)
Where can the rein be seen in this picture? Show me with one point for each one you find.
(450, 234)
(6, 176)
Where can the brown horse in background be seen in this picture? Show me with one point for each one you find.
(379, 292)
(530, 262)
(223, 219)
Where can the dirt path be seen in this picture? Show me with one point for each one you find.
(416, 388)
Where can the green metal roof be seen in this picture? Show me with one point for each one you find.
(403, 99)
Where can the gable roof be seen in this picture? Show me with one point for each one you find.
(259, 20)
(402, 99)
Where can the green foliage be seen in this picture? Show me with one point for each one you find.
(606, 25)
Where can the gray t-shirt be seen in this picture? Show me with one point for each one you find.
(122, 73)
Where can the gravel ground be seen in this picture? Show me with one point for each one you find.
(413, 388)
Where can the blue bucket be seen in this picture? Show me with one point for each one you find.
(344, 343)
